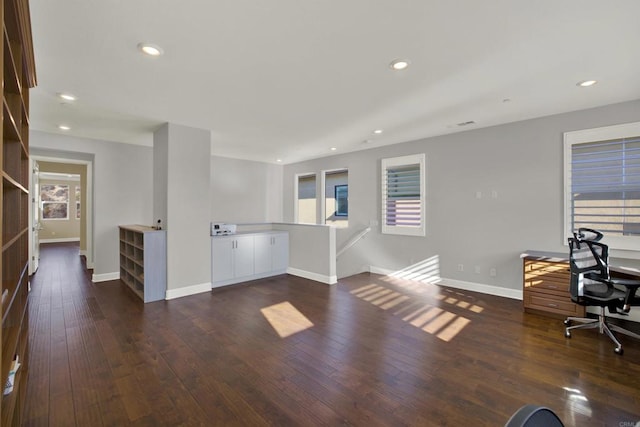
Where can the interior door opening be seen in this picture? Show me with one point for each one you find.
(72, 203)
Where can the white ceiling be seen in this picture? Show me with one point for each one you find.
(289, 79)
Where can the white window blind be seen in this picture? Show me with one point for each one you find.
(605, 186)
(602, 183)
(403, 195)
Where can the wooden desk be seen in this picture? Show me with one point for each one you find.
(546, 277)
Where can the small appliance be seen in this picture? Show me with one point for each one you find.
(220, 228)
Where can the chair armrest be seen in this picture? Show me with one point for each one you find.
(625, 282)
(630, 293)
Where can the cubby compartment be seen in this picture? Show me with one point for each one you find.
(143, 263)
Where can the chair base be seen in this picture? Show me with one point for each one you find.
(603, 326)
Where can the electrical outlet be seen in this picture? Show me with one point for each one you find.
(477, 269)
(493, 272)
(460, 267)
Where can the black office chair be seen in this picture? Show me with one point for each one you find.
(534, 416)
(591, 285)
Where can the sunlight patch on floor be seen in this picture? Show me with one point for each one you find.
(430, 318)
(285, 319)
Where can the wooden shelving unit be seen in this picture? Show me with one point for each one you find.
(143, 261)
(18, 68)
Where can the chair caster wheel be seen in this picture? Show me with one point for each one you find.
(618, 350)
(567, 334)
(567, 322)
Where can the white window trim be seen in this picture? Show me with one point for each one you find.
(401, 161)
(593, 135)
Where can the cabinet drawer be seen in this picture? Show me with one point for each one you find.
(546, 286)
(543, 267)
(552, 303)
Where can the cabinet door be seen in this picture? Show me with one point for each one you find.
(243, 256)
(262, 251)
(280, 252)
(222, 254)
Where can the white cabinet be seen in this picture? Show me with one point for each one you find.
(271, 253)
(242, 257)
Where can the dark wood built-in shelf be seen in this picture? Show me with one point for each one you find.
(18, 75)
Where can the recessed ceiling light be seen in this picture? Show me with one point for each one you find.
(150, 49)
(64, 127)
(399, 64)
(67, 96)
(586, 83)
(377, 131)
(333, 148)
(279, 160)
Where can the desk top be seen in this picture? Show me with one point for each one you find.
(622, 266)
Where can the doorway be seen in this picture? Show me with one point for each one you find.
(60, 203)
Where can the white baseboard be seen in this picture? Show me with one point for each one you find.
(105, 277)
(329, 280)
(378, 270)
(188, 290)
(61, 240)
(482, 288)
(467, 286)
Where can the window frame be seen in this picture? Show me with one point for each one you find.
(586, 136)
(387, 163)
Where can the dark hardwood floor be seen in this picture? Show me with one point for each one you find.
(287, 351)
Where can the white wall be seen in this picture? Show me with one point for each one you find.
(122, 181)
(522, 162)
(184, 153)
(244, 191)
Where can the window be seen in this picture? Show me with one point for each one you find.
(342, 200)
(403, 195)
(334, 204)
(55, 201)
(602, 183)
(306, 199)
(77, 202)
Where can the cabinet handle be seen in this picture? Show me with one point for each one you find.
(552, 305)
(552, 287)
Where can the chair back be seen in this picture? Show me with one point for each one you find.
(589, 262)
